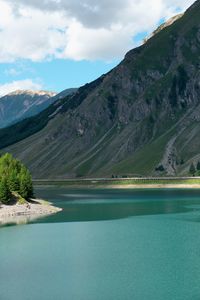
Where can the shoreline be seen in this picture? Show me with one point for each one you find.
(21, 214)
(152, 186)
(93, 184)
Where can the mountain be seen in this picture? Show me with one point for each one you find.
(21, 104)
(164, 25)
(65, 93)
(142, 118)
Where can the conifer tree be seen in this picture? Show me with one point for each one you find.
(5, 195)
(192, 169)
(14, 177)
(26, 187)
(13, 181)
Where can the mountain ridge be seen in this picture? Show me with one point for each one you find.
(164, 25)
(131, 121)
(22, 104)
(32, 92)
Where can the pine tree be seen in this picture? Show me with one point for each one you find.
(26, 186)
(29, 184)
(198, 166)
(5, 195)
(192, 169)
(15, 178)
(23, 188)
(13, 181)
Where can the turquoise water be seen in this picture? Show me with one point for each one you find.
(106, 245)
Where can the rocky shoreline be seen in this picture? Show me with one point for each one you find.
(20, 214)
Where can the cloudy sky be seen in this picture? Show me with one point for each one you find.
(57, 44)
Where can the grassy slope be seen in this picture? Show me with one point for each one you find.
(143, 162)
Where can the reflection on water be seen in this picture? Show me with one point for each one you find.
(92, 205)
(18, 220)
(100, 205)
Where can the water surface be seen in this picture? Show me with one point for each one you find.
(106, 244)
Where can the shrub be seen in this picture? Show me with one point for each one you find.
(160, 168)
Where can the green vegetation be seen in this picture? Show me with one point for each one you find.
(198, 168)
(192, 169)
(144, 160)
(15, 180)
(111, 182)
(5, 194)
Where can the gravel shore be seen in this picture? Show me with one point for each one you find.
(152, 186)
(18, 214)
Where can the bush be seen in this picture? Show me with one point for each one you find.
(160, 168)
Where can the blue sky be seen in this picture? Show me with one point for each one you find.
(54, 45)
(57, 74)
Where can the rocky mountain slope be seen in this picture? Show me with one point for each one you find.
(21, 104)
(142, 118)
(164, 25)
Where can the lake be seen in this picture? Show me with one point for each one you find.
(105, 244)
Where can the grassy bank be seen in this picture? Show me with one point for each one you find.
(129, 182)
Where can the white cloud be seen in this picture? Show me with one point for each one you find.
(31, 35)
(27, 84)
(88, 43)
(75, 29)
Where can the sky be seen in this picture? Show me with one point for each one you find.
(58, 44)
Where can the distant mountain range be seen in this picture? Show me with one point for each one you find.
(142, 118)
(20, 105)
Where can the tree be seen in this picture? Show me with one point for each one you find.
(160, 168)
(14, 177)
(26, 186)
(13, 181)
(5, 194)
(198, 166)
(192, 169)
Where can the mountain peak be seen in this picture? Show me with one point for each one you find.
(32, 93)
(22, 104)
(164, 25)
